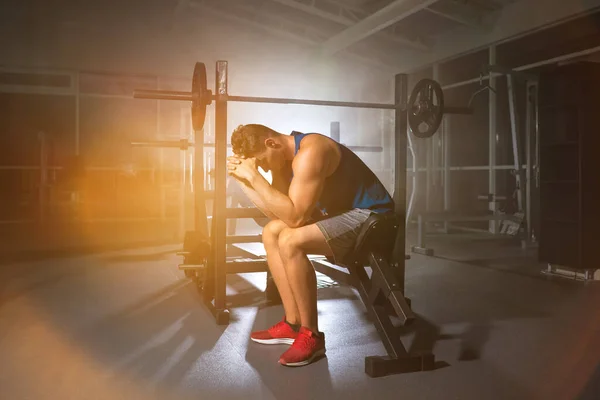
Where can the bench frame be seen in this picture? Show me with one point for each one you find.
(382, 293)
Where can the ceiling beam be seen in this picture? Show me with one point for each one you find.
(459, 13)
(206, 6)
(302, 35)
(376, 22)
(347, 21)
(516, 19)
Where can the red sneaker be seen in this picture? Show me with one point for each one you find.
(306, 348)
(280, 333)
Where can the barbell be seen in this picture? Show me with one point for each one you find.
(185, 144)
(425, 107)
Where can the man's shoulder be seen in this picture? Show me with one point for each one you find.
(315, 140)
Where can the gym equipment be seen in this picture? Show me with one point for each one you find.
(424, 218)
(381, 244)
(517, 217)
(421, 105)
(184, 144)
(424, 112)
(381, 293)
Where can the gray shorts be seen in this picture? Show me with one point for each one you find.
(341, 231)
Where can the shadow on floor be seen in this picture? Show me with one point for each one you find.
(157, 339)
(38, 275)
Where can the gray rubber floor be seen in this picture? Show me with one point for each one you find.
(127, 325)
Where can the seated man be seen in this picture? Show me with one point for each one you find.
(320, 196)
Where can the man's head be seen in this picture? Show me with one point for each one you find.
(260, 142)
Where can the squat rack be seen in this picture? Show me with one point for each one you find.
(525, 171)
(221, 213)
(214, 287)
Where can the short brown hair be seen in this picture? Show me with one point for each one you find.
(249, 140)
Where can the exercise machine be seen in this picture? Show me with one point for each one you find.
(380, 247)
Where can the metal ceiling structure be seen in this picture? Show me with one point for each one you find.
(395, 34)
(390, 35)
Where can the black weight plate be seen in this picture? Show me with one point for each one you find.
(424, 113)
(201, 97)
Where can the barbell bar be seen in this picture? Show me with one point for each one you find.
(421, 107)
(187, 96)
(184, 144)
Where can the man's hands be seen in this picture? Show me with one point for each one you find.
(243, 169)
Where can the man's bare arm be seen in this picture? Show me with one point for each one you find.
(297, 207)
(281, 182)
(256, 199)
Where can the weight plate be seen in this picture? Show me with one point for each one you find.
(425, 108)
(201, 96)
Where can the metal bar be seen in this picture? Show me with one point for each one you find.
(37, 90)
(493, 67)
(390, 14)
(77, 112)
(105, 96)
(241, 267)
(420, 231)
(428, 171)
(343, 20)
(446, 151)
(182, 144)
(514, 122)
(528, 157)
(513, 21)
(232, 239)
(461, 13)
(477, 168)
(162, 95)
(333, 271)
(334, 131)
(537, 138)
(390, 287)
(492, 134)
(415, 184)
(220, 213)
(365, 149)
(529, 66)
(533, 162)
(187, 96)
(182, 202)
(43, 182)
(290, 31)
(400, 133)
(378, 315)
(161, 166)
(274, 100)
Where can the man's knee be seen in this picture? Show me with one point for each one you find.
(271, 232)
(289, 243)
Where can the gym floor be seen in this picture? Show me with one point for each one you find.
(128, 325)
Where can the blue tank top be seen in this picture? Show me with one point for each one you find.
(352, 185)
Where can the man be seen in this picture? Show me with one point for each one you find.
(320, 196)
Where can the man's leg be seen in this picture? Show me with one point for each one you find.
(294, 246)
(270, 236)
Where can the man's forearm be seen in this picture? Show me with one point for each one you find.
(276, 202)
(256, 199)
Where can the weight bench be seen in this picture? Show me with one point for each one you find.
(422, 219)
(382, 293)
